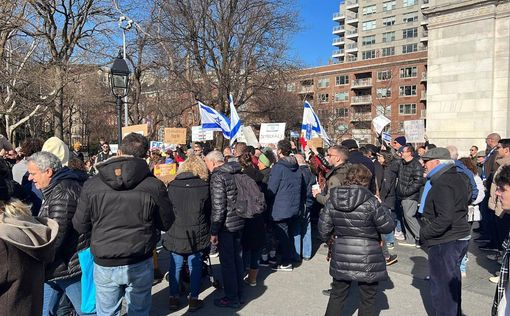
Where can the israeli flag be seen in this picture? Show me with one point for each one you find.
(213, 120)
(311, 126)
(235, 122)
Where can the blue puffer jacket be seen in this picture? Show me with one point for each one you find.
(284, 189)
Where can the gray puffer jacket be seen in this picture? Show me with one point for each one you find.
(223, 197)
(356, 220)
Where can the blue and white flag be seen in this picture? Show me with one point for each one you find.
(235, 122)
(311, 126)
(213, 120)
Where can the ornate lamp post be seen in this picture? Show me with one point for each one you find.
(119, 79)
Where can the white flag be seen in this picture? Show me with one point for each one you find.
(235, 122)
(311, 126)
(213, 120)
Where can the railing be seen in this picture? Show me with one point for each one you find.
(361, 99)
(351, 2)
(352, 32)
(337, 15)
(338, 40)
(423, 95)
(351, 16)
(306, 89)
(352, 46)
(338, 28)
(425, 33)
(365, 82)
(351, 58)
(424, 76)
(338, 52)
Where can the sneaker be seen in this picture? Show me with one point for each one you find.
(399, 236)
(390, 245)
(272, 260)
(417, 245)
(264, 263)
(494, 279)
(254, 283)
(173, 303)
(391, 260)
(326, 292)
(195, 304)
(286, 268)
(225, 302)
(214, 254)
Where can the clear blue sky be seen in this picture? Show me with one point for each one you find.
(312, 45)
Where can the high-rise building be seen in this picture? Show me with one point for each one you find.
(379, 28)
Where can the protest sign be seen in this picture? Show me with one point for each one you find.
(315, 142)
(141, 129)
(380, 122)
(248, 136)
(271, 133)
(386, 137)
(199, 135)
(414, 131)
(175, 135)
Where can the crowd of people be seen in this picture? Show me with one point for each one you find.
(252, 207)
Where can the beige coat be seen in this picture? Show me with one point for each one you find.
(494, 203)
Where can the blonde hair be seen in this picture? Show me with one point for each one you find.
(196, 166)
(15, 208)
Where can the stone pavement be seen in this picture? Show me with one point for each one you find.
(299, 292)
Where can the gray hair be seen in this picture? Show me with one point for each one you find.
(45, 160)
(454, 152)
(215, 156)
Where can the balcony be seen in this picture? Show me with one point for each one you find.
(423, 96)
(338, 16)
(351, 47)
(351, 5)
(361, 99)
(424, 22)
(338, 41)
(361, 83)
(423, 114)
(338, 29)
(424, 36)
(423, 76)
(352, 33)
(306, 89)
(422, 47)
(351, 19)
(338, 53)
(351, 58)
(425, 4)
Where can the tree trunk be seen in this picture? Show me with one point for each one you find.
(58, 110)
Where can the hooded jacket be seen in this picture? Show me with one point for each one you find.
(59, 203)
(284, 189)
(124, 207)
(26, 244)
(356, 220)
(223, 198)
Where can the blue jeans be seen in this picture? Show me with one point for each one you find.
(53, 291)
(195, 272)
(231, 262)
(134, 282)
(445, 278)
(303, 236)
(390, 238)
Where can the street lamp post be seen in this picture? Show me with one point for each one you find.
(119, 79)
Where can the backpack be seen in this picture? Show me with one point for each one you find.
(250, 200)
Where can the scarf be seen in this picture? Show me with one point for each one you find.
(438, 170)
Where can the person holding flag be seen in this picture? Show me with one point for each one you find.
(311, 126)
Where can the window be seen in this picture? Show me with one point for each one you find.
(342, 127)
(342, 79)
(407, 109)
(341, 96)
(389, 21)
(369, 25)
(369, 54)
(322, 113)
(388, 51)
(409, 48)
(324, 97)
(383, 93)
(408, 3)
(342, 112)
(368, 10)
(291, 87)
(389, 5)
(383, 110)
(383, 75)
(411, 17)
(407, 91)
(368, 40)
(323, 83)
(408, 72)
(410, 33)
(388, 37)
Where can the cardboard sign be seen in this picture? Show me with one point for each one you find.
(248, 136)
(271, 133)
(175, 135)
(315, 142)
(414, 131)
(198, 134)
(141, 129)
(380, 122)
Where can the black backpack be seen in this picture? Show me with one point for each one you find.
(250, 200)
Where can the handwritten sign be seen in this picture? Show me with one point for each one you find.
(175, 135)
(141, 129)
(198, 134)
(414, 131)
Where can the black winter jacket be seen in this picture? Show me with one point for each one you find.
(445, 211)
(410, 180)
(191, 204)
(59, 203)
(124, 207)
(223, 198)
(356, 220)
(389, 182)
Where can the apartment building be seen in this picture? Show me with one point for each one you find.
(347, 96)
(369, 29)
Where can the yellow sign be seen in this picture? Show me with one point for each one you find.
(315, 142)
(141, 129)
(176, 136)
(163, 170)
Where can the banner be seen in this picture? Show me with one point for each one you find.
(175, 136)
(380, 122)
(198, 134)
(414, 131)
(141, 129)
(271, 133)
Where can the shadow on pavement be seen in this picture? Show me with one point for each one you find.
(419, 273)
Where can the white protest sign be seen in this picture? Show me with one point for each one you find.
(271, 133)
(199, 135)
(380, 122)
(248, 136)
(414, 131)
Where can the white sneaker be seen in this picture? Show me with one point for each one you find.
(494, 279)
(287, 268)
(399, 236)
